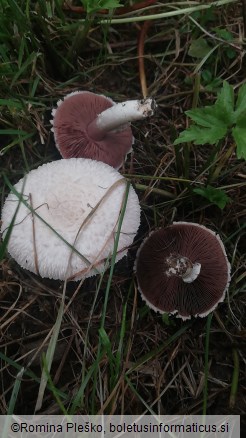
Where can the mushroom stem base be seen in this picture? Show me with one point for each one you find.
(180, 266)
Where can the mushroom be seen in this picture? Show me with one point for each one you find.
(182, 269)
(67, 220)
(90, 125)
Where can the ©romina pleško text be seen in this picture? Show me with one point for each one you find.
(89, 427)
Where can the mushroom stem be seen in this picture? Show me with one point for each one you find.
(117, 116)
(180, 266)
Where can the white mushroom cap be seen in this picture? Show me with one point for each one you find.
(64, 194)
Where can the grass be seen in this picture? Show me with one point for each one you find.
(110, 353)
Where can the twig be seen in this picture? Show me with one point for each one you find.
(176, 12)
(141, 67)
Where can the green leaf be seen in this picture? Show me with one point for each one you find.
(208, 117)
(214, 85)
(199, 48)
(224, 104)
(231, 53)
(211, 123)
(167, 320)
(201, 135)
(241, 102)
(111, 4)
(92, 6)
(239, 135)
(225, 97)
(224, 34)
(207, 75)
(214, 195)
(241, 118)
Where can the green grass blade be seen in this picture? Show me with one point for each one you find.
(160, 349)
(23, 69)
(117, 236)
(79, 396)
(29, 373)
(4, 244)
(119, 353)
(180, 11)
(54, 390)
(50, 352)
(12, 402)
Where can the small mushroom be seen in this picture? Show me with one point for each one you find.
(183, 269)
(68, 218)
(90, 125)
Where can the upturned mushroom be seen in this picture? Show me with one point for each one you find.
(68, 217)
(183, 269)
(90, 125)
